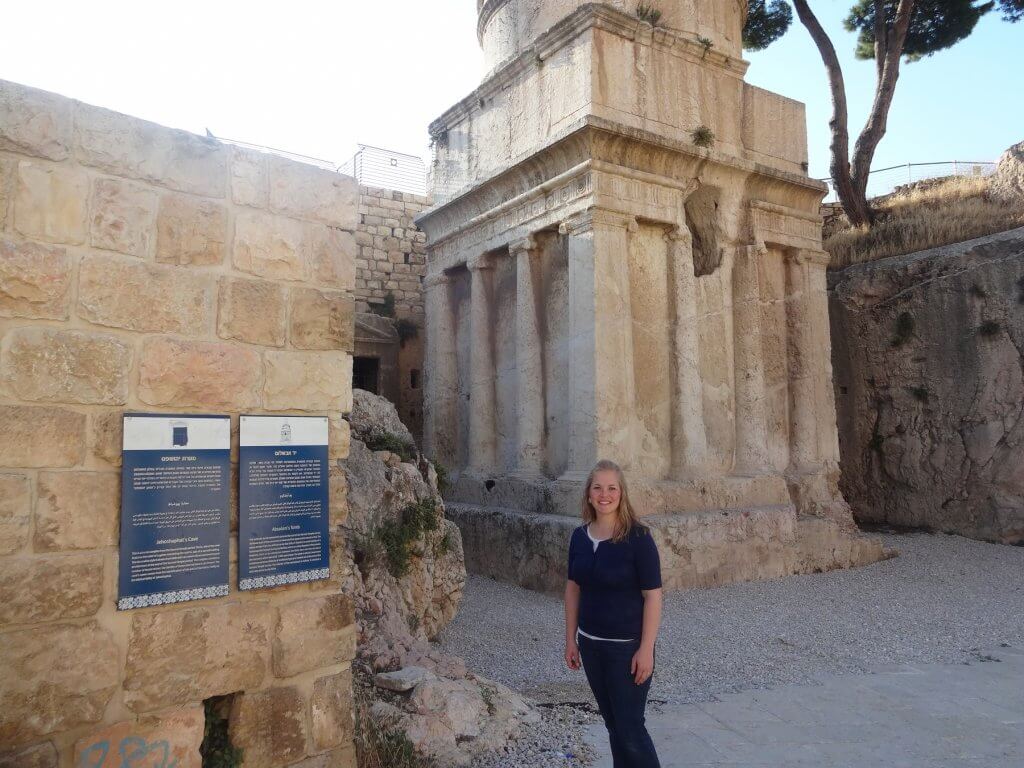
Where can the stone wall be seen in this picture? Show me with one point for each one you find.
(392, 251)
(148, 269)
(393, 259)
(929, 376)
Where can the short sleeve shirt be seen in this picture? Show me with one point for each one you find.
(612, 579)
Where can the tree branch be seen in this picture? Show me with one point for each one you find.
(853, 203)
(888, 74)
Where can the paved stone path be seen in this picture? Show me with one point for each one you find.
(912, 716)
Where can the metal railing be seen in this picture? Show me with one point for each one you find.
(371, 166)
(882, 181)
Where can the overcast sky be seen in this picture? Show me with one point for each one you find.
(318, 78)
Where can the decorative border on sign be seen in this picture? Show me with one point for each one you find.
(278, 579)
(177, 596)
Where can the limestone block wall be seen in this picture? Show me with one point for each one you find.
(392, 258)
(600, 65)
(507, 27)
(392, 251)
(148, 269)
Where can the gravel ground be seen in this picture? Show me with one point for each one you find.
(942, 599)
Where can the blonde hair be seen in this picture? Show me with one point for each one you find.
(627, 518)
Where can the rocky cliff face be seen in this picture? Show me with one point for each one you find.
(402, 561)
(928, 354)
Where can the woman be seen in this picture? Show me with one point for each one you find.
(612, 612)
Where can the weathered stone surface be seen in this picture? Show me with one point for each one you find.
(249, 177)
(332, 254)
(181, 656)
(453, 722)
(314, 633)
(35, 436)
(308, 192)
(929, 383)
(8, 167)
(191, 231)
(46, 688)
(338, 437)
(374, 415)
(338, 485)
(379, 489)
(251, 310)
(1007, 183)
(122, 217)
(144, 297)
(201, 374)
(49, 365)
(49, 588)
(34, 122)
(15, 512)
(105, 436)
(127, 146)
(321, 319)
(269, 246)
(270, 726)
(309, 381)
(76, 510)
(458, 702)
(402, 680)
(331, 711)
(342, 757)
(34, 280)
(37, 756)
(50, 203)
(169, 739)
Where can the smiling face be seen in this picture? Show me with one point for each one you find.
(605, 493)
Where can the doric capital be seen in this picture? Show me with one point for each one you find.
(481, 261)
(680, 235)
(808, 256)
(586, 221)
(525, 244)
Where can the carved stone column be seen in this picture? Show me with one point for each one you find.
(825, 397)
(751, 455)
(481, 368)
(601, 397)
(529, 365)
(440, 384)
(689, 439)
(802, 354)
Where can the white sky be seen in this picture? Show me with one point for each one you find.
(318, 78)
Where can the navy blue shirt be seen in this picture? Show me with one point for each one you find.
(611, 580)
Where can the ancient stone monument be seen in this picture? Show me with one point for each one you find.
(625, 261)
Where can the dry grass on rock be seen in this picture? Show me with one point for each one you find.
(950, 211)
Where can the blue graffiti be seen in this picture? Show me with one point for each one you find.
(134, 752)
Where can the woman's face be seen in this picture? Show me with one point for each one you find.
(605, 492)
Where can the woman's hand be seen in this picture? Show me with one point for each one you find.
(642, 666)
(572, 654)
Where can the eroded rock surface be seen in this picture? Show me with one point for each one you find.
(447, 713)
(929, 374)
(1007, 183)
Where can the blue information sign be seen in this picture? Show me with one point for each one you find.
(282, 501)
(175, 493)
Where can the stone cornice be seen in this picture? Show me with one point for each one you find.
(597, 142)
(590, 16)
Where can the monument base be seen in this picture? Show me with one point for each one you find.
(698, 549)
(650, 497)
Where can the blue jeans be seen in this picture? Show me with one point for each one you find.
(620, 700)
